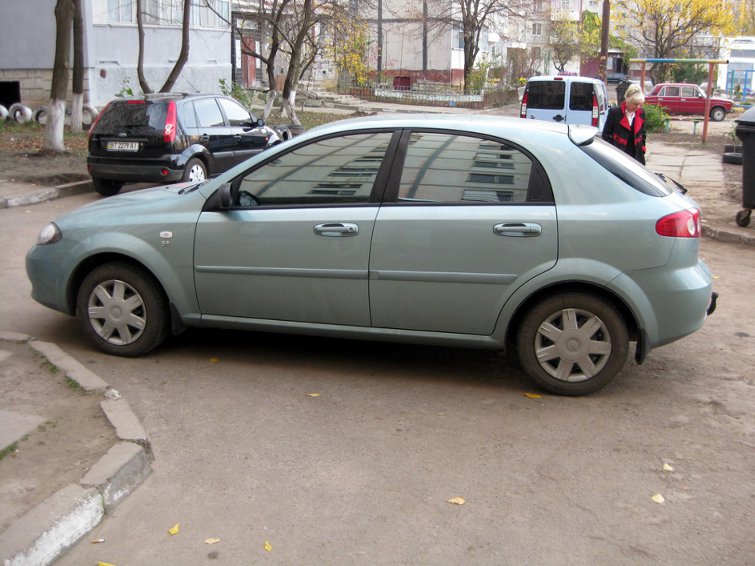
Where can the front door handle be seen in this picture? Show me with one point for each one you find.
(336, 230)
(518, 229)
(559, 118)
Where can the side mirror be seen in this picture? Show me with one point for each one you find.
(225, 196)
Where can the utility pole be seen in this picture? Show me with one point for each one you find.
(603, 71)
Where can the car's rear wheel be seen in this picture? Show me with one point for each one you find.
(572, 343)
(717, 113)
(195, 170)
(122, 309)
(107, 187)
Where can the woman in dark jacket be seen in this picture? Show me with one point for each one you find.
(625, 124)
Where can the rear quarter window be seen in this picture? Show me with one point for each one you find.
(627, 169)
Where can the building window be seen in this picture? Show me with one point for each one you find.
(538, 5)
(537, 29)
(120, 11)
(567, 5)
(210, 14)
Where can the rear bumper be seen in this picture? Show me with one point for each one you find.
(136, 171)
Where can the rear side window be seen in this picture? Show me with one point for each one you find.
(135, 117)
(452, 168)
(546, 95)
(581, 96)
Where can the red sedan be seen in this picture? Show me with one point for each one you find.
(682, 98)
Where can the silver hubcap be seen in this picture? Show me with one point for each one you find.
(117, 312)
(573, 345)
(196, 173)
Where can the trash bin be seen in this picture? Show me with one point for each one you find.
(746, 132)
(621, 90)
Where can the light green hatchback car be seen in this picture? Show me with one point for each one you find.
(482, 232)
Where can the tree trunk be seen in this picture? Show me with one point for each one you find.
(53, 138)
(295, 65)
(77, 104)
(272, 94)
(289, 108)
(140, 58)
(184, 55)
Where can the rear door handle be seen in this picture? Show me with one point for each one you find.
(336, 230)
(559, 118)
(518, 229)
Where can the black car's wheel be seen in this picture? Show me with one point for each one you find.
(195, 170)
(717, 113)
(732, 158)
(572, 343)
(107, 187)
(122, 309)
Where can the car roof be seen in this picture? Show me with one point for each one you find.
(162, 96)
(564, 78)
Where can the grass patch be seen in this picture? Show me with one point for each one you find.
(8, 450)
(73, 384)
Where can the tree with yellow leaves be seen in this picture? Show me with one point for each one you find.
(666, 28)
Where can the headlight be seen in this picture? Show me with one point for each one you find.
(49, 235)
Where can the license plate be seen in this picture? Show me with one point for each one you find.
(122, 146)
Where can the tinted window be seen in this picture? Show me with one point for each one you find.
(208, 113)
(338, 170)
(136, 116)
(627, 169)
(445, 168)
(546, 95)
(236, 114)
(581, 96)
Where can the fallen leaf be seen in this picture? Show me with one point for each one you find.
(668, 468)
(716, 277)
(313, 394)
(532, 395)
(105, 564)
(174, 529)
(211, 540)
(214, 360)
(98, 541)
(658, 498)
(457, 500)
(268, 547)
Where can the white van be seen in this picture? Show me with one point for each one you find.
(568, 99)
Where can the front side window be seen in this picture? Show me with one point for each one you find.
(337, 170)
(208, 113)
(236, 115)
(453, 168)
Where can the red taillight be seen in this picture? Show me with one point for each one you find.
(97, 119)
(169, 134)
(595, 111)
(682, 224)
(523, 110)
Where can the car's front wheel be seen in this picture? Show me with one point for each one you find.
(123, 309)
(195, 170)
(717, 114)
(572, 343)
(107, 187)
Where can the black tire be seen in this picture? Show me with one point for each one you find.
(283, 133)
(122, 309)
(733, 148)
(717, 113)
(577, 357)
(195, 170)
(40, 116)
(742, 217)
(107, 187)
(732, 158)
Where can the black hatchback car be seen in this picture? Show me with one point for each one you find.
(165, 138)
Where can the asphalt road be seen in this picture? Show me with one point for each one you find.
(363, 471)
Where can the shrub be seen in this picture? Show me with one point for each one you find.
(655, 118)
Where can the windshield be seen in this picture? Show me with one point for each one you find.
(629, 170)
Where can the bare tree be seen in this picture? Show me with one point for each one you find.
(77, 103)
(183, 56)
(54, 129)
(564, 42)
